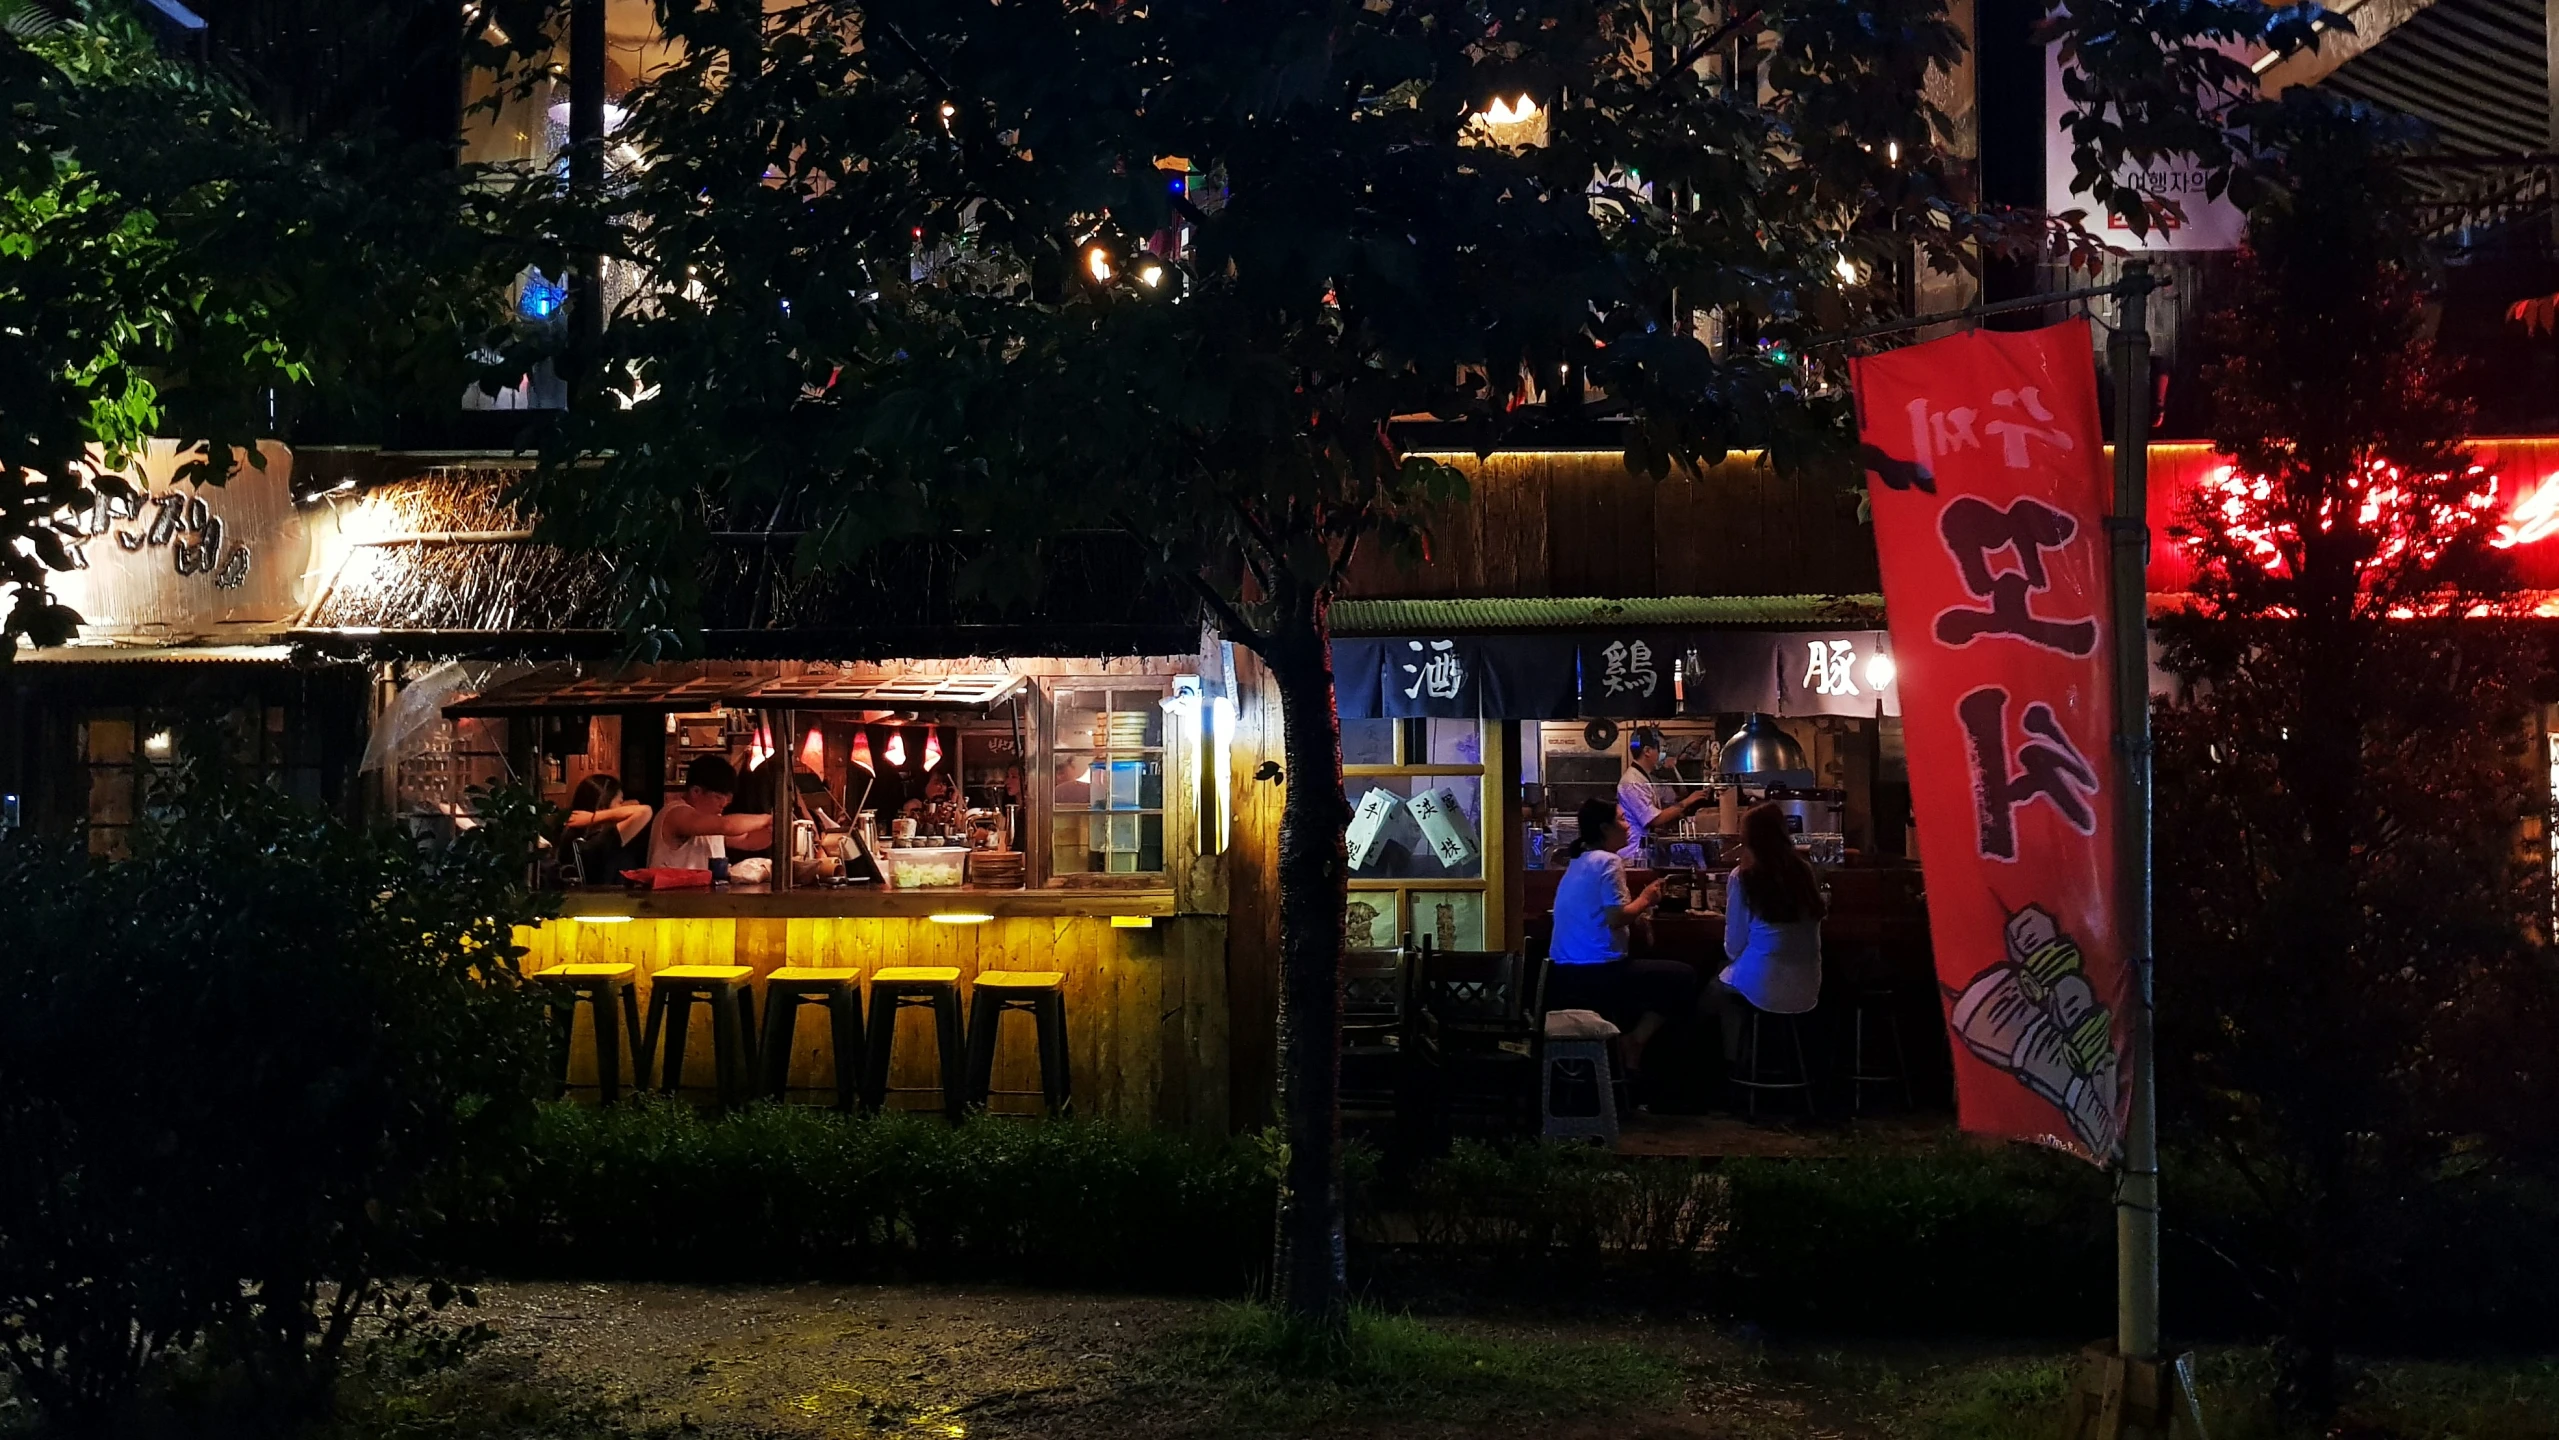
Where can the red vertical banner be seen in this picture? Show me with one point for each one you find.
(1987, 472)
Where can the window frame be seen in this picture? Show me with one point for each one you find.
(1173, 810)
(1412, 736)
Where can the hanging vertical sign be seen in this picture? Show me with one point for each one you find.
(1987, 474)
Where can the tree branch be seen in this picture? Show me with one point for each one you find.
(1230, 619)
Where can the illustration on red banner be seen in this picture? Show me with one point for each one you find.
(2035, 1015)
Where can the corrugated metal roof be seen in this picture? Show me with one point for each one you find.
(2476, 70)
(157, 655)
(1432, 617)
(703, 685)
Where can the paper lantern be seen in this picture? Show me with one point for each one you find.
(861, 755)
(932, 746)
(896, 751)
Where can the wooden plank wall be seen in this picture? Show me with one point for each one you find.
(1146, 1009)
(1572, 523)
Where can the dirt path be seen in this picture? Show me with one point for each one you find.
(835, 1361)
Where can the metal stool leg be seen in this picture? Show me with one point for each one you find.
(954, 1056)
(729, 1046)
(986, 1018)
(672, 1017)
(608, 1043)
(1050, 1015)
(1803, 1067)
(844, 1017)
(875, 1053)
(560, 1013)
(781, 1021)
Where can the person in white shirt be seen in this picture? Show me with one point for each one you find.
(1648, 807)
(1772, 928)
(1593, 918)
(681, 839)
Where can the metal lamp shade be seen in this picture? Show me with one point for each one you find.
(1760, 748)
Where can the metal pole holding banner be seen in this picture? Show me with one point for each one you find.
(2132, 1390)
(2137, 1189)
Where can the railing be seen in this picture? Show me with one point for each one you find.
(2482, 204)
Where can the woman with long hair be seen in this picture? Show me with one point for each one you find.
(600, 825)
(1773, 910)
(1594, 916)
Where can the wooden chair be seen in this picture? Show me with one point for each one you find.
(1377, 988)
(1477, 1025)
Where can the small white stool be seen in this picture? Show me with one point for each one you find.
(1578, 1037)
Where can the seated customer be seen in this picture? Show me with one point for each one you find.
(600, 826)
(681, 840)
(1592, 915)
(1772, 929)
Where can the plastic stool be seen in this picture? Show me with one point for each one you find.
(894, 989)
(840, 991)
(1880, 1002)
(617, 1010)
(1578, 1037)
(1753, 1075)
(672, 993)
(1041, 993)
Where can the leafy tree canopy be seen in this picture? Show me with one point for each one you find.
(174, 264)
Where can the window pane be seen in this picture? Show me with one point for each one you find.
(1452, 742)
(1371, 922)
(1095, 782)
(1079, 718)
(1453, 919)
(1090, 844)
(1368, 742)
(1107, 779)
(1416, 826)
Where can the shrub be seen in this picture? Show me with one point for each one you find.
(658, 1190)
(239, 1072)
(2010, 1241)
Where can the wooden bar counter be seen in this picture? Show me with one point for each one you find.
(1145, 986)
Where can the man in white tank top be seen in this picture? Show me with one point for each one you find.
(681, 839)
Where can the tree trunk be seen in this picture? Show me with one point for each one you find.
(1314, 887)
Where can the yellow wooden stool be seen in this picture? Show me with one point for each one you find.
(616, 1000)
(840, 991)
(1042, 993)
(893, 990)
(672, 993)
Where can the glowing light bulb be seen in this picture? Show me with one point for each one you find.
(1880, 671)
(1098, 260)
(1150, 275)
(1892, 151)
(1846, 269)
(1502, 112)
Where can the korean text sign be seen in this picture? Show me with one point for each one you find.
(1988, 477)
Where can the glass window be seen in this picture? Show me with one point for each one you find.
(1368, 742)
(1416, 827)
(1107, 776)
